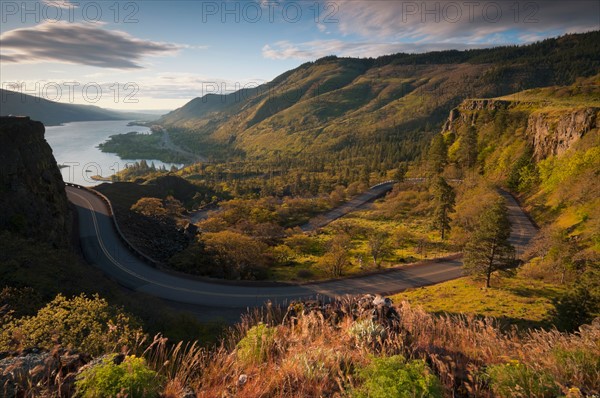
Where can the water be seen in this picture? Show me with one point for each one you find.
(75, 144)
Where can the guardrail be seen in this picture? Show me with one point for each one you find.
(113, 217)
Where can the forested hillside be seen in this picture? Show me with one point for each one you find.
(543, 145)
(381, 110)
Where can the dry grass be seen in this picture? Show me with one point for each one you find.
(317, 353)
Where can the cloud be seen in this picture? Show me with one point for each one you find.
(377, 27)
(320, 48)
(79, 43)
(464, 21)
(60, 3)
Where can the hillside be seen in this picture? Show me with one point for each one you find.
(53, 113)
(543, 144)
(338, 105)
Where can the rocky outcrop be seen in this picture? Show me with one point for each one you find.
(32, 198)
(552, 133)
(466, 112)
(549, 130)
(27, 373)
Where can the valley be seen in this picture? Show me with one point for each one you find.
(413, 224)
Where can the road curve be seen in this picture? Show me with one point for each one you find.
(103, 248)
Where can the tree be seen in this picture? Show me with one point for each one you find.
(467, 150)
(240, 255)
(336, 259)
(437, 156)
(487, 249)
(445, 199)
(150, 207)
(378, 244)
(400, 173)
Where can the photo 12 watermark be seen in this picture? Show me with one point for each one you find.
(71, 92)
(70, 11)
(269, 11)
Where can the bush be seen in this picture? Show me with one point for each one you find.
(514, 379)
(89, 325)
(396, 377)
(255, 346)
(367, 332)
(131, 378)
(574, 308)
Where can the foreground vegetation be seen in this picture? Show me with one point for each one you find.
(355, 347)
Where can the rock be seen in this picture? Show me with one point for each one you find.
(553, 134)
(242, 380)
(33, 201)
(56, 371)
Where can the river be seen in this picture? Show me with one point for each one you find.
(76, 145)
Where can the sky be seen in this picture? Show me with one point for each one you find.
(158, 55)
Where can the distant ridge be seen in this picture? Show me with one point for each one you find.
(55, 113)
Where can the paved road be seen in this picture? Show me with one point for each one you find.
(103, 248)
(373, 193)
(167, 143)
(522, 229)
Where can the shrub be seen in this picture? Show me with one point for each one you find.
(574, 308)
(514, 379)
(578, 365)
(367, 332)
(131, 378)
(255, 346)
(89, 325)
(396, 377)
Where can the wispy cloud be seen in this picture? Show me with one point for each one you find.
(79, 43)
(467, 22)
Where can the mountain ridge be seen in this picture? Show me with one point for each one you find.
(332, 102)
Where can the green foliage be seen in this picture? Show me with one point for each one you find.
(396, 377)
(523, 175)
(132, 378)
(575, 307)
(136, 145)
(88, 325)
(488, 249)
(336, 260)
(256, 345)
(515, 379)
(239, 256)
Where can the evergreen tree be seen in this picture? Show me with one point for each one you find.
(437, 156)
(445, 199)
(400, 173)
(467, 151)
(488, 249)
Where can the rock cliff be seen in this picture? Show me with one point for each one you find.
(32, 191)
(552, 133)
(549, 130)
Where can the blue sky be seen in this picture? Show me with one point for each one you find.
(160, 54)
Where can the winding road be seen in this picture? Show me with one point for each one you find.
(103, 247)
